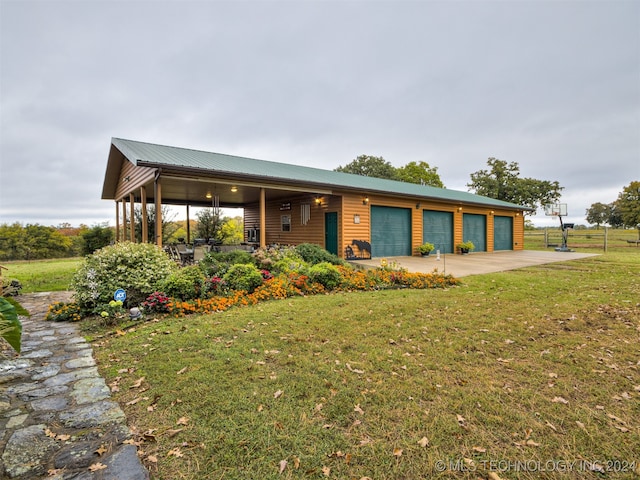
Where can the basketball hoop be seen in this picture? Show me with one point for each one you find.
(560, 210)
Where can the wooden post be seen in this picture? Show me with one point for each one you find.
(188, 226)
(158, 204)
(132, 225)
(124, 219)
(117, 239)
(606, 233)
(145, 222)
(263, 219)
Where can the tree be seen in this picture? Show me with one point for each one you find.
(232, 231)
(208, 224)
(96, 237)
(598, 214)
(369, 166)
(420, 173)
(502, 182)
(628, 205)
(168, 225)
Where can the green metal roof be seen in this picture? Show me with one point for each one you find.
(148, 154)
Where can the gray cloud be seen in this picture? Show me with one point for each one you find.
(554, 86)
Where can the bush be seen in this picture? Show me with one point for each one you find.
(185, 284)
(138, 268)
(243, 277)
(326, 274)
(314, 254)
(217, 263)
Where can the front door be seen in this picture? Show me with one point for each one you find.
(331, 232)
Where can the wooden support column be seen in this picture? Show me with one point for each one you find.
(263, 218)
(145, 221)
(117, 239)
(132, 225)
(124, 219)
(188, 226)
(158, 205)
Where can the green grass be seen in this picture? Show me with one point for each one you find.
(348, 384)
(42, 275)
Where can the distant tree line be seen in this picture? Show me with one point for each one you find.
(624, 212)
(34, 241)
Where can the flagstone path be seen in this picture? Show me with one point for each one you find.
(57, 420)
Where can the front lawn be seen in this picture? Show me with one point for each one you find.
(517, 371)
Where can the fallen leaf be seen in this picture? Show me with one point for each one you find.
(260, 408)
(551, 426)
(581, 425)
(283, 465)
(181, 371)
(354, 370)
(296, 463)
(175, 452)
(397, 452)
(494, 476)
(97, 466)
(423, 442)
(101, 450)
(560, 400)
(461, 421)
(278, 394)
(183, 421)
(152, 459)
(134, 401)
(137, 383)
(358, 409)
(479, 449)
(326, 471)
(531, 443)
(55, 471)
(172, 432)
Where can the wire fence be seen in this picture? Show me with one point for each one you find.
(602, 239)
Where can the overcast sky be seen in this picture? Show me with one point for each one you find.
(551, 85)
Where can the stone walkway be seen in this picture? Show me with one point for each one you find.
(57, 420)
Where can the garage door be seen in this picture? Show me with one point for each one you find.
(437, 228)
(474, 228)
(390, 231)
(502, 233)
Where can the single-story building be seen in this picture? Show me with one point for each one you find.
(291, 204)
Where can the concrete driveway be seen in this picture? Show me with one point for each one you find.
(477, 263)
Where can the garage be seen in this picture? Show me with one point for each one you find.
(502, 233)
(390, 231)
(437, 228)
(474, 228)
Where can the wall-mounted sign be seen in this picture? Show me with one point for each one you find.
(285, 206)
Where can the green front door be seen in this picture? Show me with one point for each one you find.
(331, 232)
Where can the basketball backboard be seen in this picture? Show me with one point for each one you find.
(556, 209)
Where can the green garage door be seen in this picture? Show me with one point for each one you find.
(437, 228)
(502, 233)
(474, 228)
(390, 231)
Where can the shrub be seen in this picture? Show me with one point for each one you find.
(10, 326)
(314, 254)
(138, 268)
(64, 312)
(217, 263)
(243, 277)
(326, 275)
(185, 284)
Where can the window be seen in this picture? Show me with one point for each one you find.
(285, 221)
